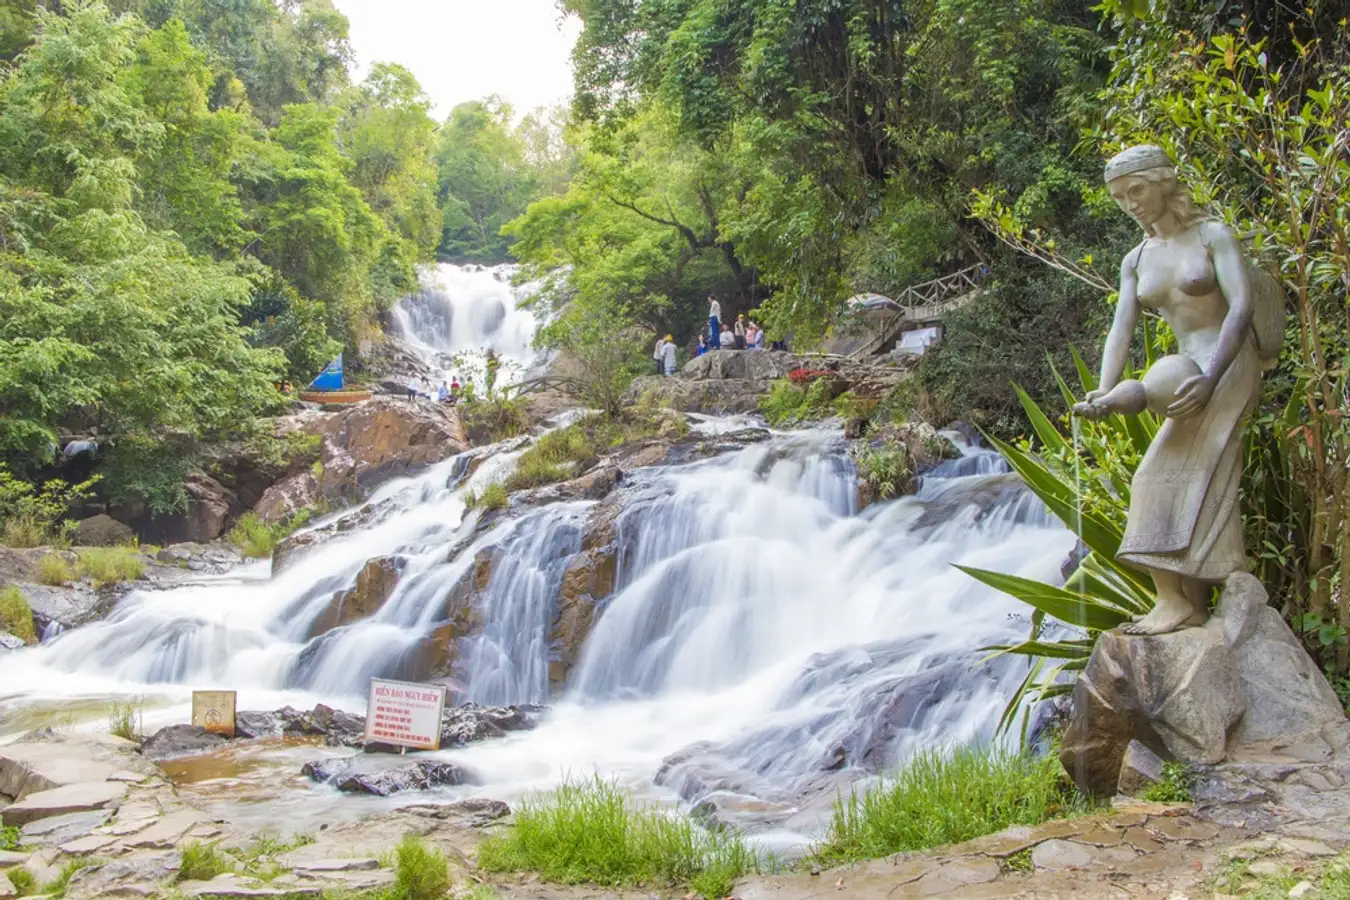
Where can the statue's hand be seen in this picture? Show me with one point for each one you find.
(1090, 410)
(1192, 397)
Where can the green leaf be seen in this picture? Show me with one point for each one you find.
(1044, 428)
(1073, 609)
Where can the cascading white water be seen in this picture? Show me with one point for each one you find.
(461, 312)
(762, 631)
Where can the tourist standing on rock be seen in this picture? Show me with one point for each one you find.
(657, 354)
(490, 378)
(443, 393)
(454, 389)
(726, 341)
(702, 345)
(413, 384)
(740, 332)
(714, 321)
(668, 354)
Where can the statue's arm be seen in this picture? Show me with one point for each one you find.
(1231, 270)
(1118, 341)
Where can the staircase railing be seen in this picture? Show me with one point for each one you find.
(933, 298)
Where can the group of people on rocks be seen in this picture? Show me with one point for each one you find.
(451, 392)
(743, 334)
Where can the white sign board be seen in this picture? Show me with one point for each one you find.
(404, 714)
(918, 340)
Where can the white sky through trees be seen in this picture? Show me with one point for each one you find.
(466, 49)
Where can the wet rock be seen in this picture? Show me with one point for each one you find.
(174, 741)
(256, 724)
(101, 531)
(353, 778)
(466, 724)
(338, 728)
(589, 578)
(67, 605)
(216, 557)
(375, 584)
(209, 505)
(10, 642)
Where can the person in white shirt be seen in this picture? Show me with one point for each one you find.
(656, 353)
(668, 355)
(727, 341)
(714, 321)
(413, 384)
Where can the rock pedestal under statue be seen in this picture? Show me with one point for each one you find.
(1199, 694)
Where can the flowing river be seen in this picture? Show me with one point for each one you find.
(776, 639)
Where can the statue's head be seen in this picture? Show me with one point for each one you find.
(1143, 182)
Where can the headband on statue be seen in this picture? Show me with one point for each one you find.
(1135, 159)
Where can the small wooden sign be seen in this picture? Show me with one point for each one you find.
(405, 714)
(214, 711)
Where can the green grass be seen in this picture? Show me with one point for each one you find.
(1175, 786)
(256, 538)
(52, 569)
(9, 837)
(942, 798)
(23, 533)
(202, 862)
(420, 872)
(124, 719)
(494, 496)
(788, 403)
(23, 881)
(1330, 881)
(16, 616)
(56, 888)
(109, 565)
(552, 457)
(589, 832)
(498, 418)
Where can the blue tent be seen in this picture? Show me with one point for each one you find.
(330, 379)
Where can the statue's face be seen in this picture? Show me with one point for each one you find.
(1141, 198)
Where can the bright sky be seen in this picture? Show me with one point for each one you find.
(466, 49)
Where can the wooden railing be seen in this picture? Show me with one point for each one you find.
(928, 300)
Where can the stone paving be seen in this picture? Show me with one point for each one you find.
(95, 797)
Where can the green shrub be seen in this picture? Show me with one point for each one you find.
(124, 720)
(885, 469)
(940, 798)
(202, 862)
(420, 872)
(9, 837)
(589, 832)
(496, 419)
(16, 616)
(23, 880)
(1174, 787)
(109, 565)
(789, 403)
(257, 538)
(53, 570)
(494, 496)
(31, 516)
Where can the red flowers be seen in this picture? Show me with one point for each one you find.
(803, 376)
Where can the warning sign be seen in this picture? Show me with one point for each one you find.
(214, 711)
(405, 714)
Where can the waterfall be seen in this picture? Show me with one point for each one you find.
(763, 638)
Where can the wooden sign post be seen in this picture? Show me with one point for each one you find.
(214, 711)
(405, 714)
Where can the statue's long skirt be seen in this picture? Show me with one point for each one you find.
(1184, 496)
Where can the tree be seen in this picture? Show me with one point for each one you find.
(484, 180)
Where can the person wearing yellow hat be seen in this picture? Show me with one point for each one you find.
(668, 354)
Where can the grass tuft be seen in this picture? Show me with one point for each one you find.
(52, 569)
(16, 616)
(56, 888)
(256, 538)
(494, 496)
(202, 862)
(22, 880)
(1175, 786)
(124, 719)
(420, 872)
(589, 832)
(942, 798)
(9, 837)
(110, 565)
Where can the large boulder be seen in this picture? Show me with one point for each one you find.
(173, 741)
(101, 531)
(362, 446)
(1197, 694)
(374, 586)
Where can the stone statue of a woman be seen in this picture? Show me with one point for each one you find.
(1183, 526)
